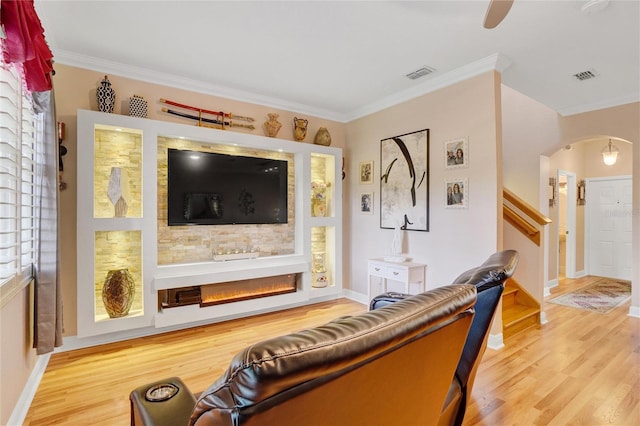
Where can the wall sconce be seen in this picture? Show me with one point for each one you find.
(581, 194)
(610, 154)
(552, 192)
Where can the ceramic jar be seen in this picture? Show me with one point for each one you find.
(106, 96)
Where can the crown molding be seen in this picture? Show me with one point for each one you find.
(170, 80)
(495, 62)
(608, 103)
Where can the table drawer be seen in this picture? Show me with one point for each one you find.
(389, 272)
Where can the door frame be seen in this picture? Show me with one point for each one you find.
(570, 220)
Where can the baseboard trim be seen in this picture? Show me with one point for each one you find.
(29, 391)
(496, 341)
(355, 296)
(634, 311)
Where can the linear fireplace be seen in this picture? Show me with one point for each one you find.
(227, 292)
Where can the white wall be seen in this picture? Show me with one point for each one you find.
(458, 238)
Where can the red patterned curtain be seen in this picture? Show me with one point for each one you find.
(25, 43)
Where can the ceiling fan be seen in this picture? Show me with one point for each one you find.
(496, 12)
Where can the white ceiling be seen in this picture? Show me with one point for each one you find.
(342, 60)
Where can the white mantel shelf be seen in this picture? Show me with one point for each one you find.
(192, 274)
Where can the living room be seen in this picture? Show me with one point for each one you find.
(506, 131)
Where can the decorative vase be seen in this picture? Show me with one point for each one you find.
(106, 96)
(319, 270)
(300, 128)
(272, 125)
(318, 198)
(117, 292)
(137, 106)
(322, 137)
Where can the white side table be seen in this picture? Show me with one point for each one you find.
(405, 272)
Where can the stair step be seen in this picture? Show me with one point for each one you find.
(516, 318)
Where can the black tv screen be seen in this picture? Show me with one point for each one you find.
(206, 188)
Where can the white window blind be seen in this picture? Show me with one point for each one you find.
(20, 129)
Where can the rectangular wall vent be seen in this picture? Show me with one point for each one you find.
(420, 73)
(585, 75)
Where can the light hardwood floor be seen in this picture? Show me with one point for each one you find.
(580, 368)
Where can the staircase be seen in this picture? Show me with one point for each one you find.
(520, 310)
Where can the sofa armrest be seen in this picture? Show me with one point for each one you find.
(385, 299)
(173, 411)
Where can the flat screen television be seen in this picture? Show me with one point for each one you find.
(206, 188)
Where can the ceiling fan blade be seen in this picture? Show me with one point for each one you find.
(496, 12)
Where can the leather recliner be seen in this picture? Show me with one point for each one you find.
(389, 366)
(489, 279)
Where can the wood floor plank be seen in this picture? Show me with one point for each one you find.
(581, 368)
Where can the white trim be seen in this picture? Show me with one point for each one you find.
(496, 341)
(607, 103)
(497, 62)
(355, 296)
(543, 318)
(634, 311)
(21, 408)
(13, 287)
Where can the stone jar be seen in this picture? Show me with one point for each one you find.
(322, 137)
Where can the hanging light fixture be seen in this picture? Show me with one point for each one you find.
(610, 154)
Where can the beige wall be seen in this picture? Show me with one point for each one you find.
(75, 88)
(17, 358)
(458, 238)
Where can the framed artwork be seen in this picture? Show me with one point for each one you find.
(366, 203)
(456, 193)
(366, 172)
(404, 181)
(456, 153)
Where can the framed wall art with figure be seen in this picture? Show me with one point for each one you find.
(404, 181)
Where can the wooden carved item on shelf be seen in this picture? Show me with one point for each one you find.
(117, 292)
(272, 125)
(300, 128)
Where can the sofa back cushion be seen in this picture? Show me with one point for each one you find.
(393, 365)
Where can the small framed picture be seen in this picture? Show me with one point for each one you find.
(456, 153)
(456, 193)
(366, 172)
(366, 202)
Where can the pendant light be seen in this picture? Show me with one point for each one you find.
(610, 154)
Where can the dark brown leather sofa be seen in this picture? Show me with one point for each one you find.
(489, 279)
(391, 366)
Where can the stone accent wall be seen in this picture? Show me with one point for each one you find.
(186, 244)
(117, 149)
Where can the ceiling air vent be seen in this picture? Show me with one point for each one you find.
(585, 75)
(420, 73)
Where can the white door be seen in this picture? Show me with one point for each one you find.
(609, 207)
